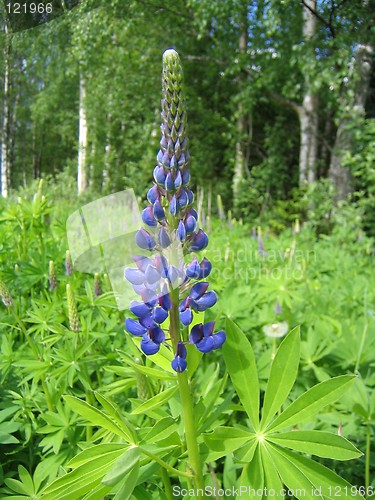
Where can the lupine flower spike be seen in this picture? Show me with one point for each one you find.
(52, 276)
(168, 286)
(97, 285)
(68, 264)
(5, 295)
(74, 323)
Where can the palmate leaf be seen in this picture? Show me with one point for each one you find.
(283, 375)
(268, 461)
(319, 443)
(240, 362)
(308, 479)
(312, 401)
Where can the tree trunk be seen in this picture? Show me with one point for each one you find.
(5, 166)
(356, 109)
(240, 158)
(308, 112)
(82, 140)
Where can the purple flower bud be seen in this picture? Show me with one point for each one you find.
(173, 162)
(159, 213)
(178, 180)
(190, 196)
(199, 241)
(173, 207)
(164, 239)
(159, 175)
(148, 216)
(179, 363)
(181, 161)
(181, 231)
(140, 309)
(185, 177)
(278, 309)
(204, 268)
(153, 194)
(183, 199)
(166, 160)
(145, 240)
(169, 184)
(159, 157)
(190, 224)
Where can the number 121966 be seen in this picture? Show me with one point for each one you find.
(29, 8)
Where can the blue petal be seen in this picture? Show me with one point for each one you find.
(206, 344)
(145, 240)
(152, 275)
(159, 315)
(198, 290)
(156, 334)
(199, 241)
(139, 309)
(196, 334)
(147, 322)
(149, 347)
(134, 327)
(141, 262)
(204, 268)
(209, 299)
(208, 328)
(179, 364)
(219, 339)
(148, 216)
(134, 276)
(183, 199)
(165, 301)
(166, 160)
(173, 162)
(164, 239)
(186, 317)
(193, 269)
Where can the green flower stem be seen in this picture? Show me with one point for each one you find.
(167, 485)
(368, 459)
(186, 399)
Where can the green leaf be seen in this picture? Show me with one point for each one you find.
(253, 473)
(283, 375)
(125, 463)
(240, 362)
(96, 417)
(75, 484)
(327, 484)
(224, 440)
(113, 411)
(246, 452)
(319, 443)
(291, 475)
(309, 403)
(96, 451)
(163, 429)
(130, 482)
(26, 479)
(272, 477)
(156, 401)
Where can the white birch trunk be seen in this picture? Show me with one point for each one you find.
(82, 140)
(356, 109)
(5, 174)
(308, 112)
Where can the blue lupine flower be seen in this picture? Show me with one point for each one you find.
(174, 227)
(204, 338)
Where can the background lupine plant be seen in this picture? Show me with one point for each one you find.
(168, 287)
